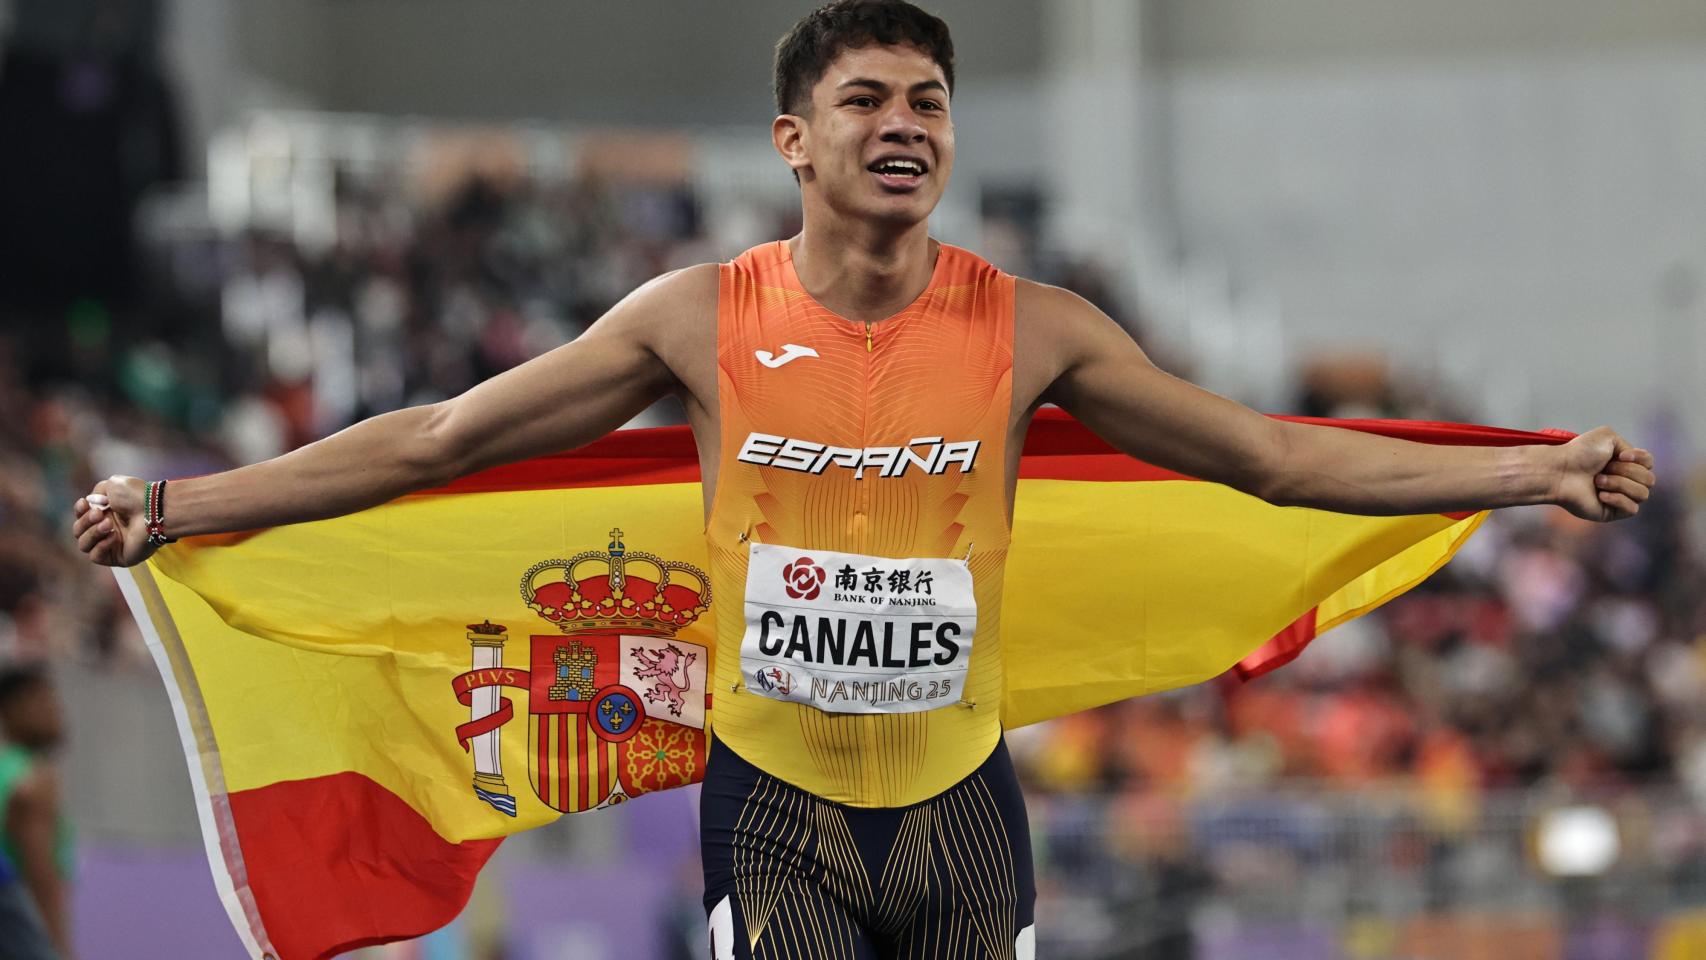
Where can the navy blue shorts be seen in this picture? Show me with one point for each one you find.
(790, 875)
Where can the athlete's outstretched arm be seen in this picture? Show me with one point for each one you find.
(558, 401)
(1102, 377)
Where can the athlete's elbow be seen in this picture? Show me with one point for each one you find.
(1271, 486)
(437, 447)
(1268, 473)
(1280, 493)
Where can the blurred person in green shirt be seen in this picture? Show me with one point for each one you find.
(35, 837)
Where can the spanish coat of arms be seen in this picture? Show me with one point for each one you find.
(616, 701)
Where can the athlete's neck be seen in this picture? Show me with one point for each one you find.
(864, 275)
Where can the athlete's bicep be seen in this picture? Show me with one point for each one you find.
(1107, 382)
(579, 391)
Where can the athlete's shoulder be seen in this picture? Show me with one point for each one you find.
(1032, 299)
(1054, 329)
(672, 316)
(959, 266)
(663, 308)
(669, 296)
(763, 263)
(685, 283)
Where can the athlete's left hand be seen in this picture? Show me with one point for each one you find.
(1603, 476)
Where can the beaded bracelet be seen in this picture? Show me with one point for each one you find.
(154, 514)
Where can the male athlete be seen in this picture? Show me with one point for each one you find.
(862, 389)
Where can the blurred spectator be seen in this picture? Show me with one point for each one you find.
(34, 835)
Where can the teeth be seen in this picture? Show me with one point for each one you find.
(910, 167)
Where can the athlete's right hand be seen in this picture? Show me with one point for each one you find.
(110, 525)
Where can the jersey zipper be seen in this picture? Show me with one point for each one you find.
(862, 499)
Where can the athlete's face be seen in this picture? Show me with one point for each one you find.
(878, 141)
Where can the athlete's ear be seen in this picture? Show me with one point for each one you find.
(788, 133)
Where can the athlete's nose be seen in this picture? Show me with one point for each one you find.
(901, 125)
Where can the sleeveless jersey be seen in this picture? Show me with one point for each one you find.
(814, 408)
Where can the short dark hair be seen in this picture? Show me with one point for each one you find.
(20, 677)
(812, 45)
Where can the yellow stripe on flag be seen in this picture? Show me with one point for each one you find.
(1116, 590)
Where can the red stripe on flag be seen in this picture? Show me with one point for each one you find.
(1280, 650)
(1057, 447)
(339, 862)
(583, 745)
(563, 761)
(620, 459)
(542, 773)
(604, 784)
(564, 470)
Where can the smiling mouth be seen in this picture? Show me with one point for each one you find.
(899, 173)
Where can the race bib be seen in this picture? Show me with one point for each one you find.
(849, 633)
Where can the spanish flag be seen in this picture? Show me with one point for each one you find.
(368, 705)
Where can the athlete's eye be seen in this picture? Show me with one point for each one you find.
(929, 105)
(862, 101)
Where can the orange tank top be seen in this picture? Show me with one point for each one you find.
(861, 481)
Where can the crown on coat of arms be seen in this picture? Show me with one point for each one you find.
(610, 595)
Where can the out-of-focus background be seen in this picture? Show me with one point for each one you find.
(228, 228)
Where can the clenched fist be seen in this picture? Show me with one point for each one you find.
(110, 523)
(1603, 477)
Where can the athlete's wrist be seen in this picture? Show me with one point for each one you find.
(1540, 474)
(154, 513)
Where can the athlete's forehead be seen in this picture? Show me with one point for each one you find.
(881, 68)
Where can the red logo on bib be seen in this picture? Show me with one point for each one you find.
(803, 579)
